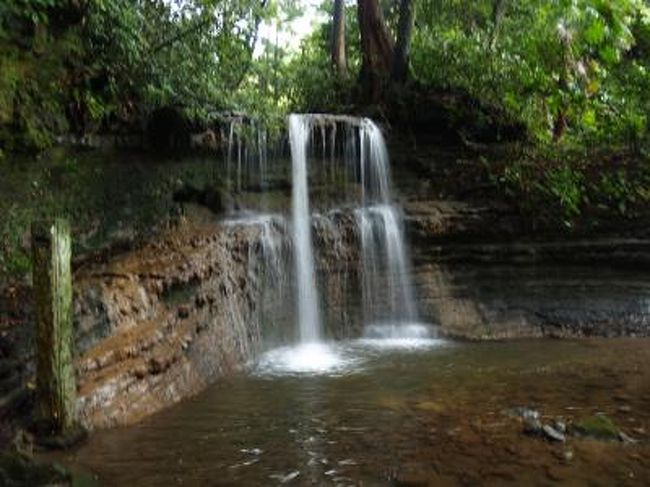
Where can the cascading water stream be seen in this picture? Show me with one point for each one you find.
(385, 261)
(307, 294)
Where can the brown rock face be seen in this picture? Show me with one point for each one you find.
(160, 323)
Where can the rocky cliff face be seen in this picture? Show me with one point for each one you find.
(160, 323)
(510, 301)
(477, 280)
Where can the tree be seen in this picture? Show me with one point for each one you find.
(376, 48)
(383, 61)
(404, 30)
(339, 58)
(82, 66)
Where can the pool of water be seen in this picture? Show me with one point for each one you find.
(393, 411)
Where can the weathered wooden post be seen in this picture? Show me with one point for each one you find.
(55, 382)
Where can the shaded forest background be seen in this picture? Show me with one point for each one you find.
(574, 69)
(551, 98)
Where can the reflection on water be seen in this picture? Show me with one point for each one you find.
(385, 413)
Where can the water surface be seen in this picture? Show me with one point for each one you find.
(427, 412)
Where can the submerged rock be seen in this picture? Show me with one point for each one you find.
(530, 418)
(524, 412)
(283, 479)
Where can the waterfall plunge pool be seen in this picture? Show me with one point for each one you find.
(428, 415)
(346, 357)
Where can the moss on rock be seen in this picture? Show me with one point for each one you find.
(597, 426)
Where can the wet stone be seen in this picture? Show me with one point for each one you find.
(283, 479)
(183, 312)
(523, 412)
(559, 425)
(626, 438)
(553, 434)
(533, 426)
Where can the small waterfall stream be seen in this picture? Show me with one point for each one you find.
(382, 236)
(307, 294)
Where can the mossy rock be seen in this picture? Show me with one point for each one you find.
(598, 426)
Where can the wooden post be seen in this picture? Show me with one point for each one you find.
(55, 382)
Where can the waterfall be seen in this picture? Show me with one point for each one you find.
(342, 220)
(387, 292)
(307, 295)
(385, 263)
(246, 161)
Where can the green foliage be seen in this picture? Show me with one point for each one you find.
(576, 72)
(15, 257)
(312, 84)
(585, 188)
(598, 426)
(107, 197)
(565, 186)
(568, 62)
(81, 66)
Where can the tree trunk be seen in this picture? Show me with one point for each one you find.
(376, 48)
(56, 389)
(339, 59)
(402, 47)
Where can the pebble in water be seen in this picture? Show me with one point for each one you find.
(560, 425)
(348, 461)
(252, 451)
(283, 479)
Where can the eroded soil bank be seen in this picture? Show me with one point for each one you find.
(446, 415)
